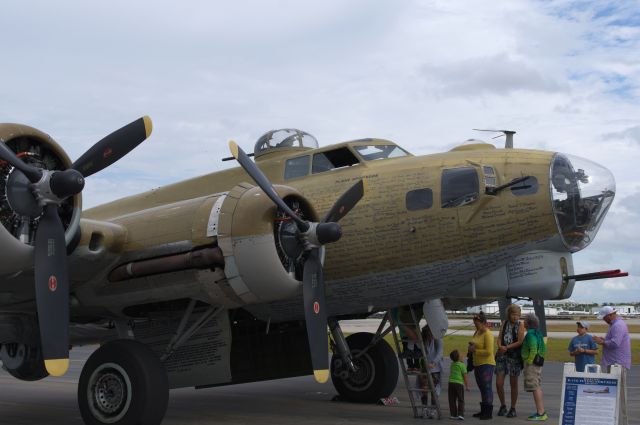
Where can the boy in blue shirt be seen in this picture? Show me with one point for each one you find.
(583, 347)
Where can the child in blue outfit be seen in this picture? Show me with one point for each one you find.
(583, 347)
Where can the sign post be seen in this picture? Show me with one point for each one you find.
(590, 397)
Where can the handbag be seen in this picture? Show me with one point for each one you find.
(538, 360)
(470, 362)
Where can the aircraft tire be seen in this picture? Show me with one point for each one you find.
(123, 383)
(377, 373)
(23, 362)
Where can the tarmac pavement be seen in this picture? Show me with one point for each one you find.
(287, 401)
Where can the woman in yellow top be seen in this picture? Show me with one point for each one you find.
(483, 350)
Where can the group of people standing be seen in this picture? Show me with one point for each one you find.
(520, 349)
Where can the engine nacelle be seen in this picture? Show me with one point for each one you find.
(249, 234)
(17, 232)
(225, 249)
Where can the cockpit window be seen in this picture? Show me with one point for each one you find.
(331, 160)
(373, 152)
(459, 186)
(284, 138)
(582, 192)
(296, 167)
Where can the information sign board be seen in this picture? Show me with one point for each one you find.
(590, 397)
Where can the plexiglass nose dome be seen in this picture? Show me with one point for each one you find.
(582, 192)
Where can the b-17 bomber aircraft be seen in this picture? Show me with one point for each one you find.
(234, 276)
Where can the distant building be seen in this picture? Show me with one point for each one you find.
(623, 310)
(493, 308)
(548, 311)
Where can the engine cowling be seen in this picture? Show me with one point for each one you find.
(252, 235)
(17, 232)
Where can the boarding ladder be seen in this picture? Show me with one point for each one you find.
(419, 410)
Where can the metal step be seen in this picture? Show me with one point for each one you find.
(416, 405)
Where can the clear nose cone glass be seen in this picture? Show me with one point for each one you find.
(582, 192)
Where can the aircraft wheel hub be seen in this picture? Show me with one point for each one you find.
(364, 374)
(13, 355)
(110, 393)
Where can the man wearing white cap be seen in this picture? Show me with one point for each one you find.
(616, 349)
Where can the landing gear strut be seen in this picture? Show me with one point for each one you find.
(123, 383)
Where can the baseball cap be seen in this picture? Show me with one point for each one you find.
(583, 324)
(606, 310)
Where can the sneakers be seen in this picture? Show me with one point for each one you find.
(461, 418)
(538, 417)
(457, 418)
(502, 411)
(512, 413)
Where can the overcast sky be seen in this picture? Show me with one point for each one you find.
(564, 74)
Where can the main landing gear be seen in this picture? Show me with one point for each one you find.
(373, 372)
(23, 361)
(123, 383)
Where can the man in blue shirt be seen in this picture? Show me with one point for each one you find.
(583, 347)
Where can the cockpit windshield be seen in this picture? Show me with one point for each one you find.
(284, 138)
(582, 192)
(373, 152)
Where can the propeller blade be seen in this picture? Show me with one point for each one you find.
(315, 312)
(113, 147)
(538, 308)
(52, 291)
(33, 174)
(346, 202)
(261, 180)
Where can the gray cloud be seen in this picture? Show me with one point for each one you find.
(499, 74)
(632, 203)
(631, 133)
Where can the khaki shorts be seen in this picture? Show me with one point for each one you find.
(532, 377)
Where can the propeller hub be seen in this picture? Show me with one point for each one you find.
(328, 232)
(66, 183)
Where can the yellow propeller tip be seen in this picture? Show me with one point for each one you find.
(57, 367)
(233, 147)
(321, 376)
(148, 125)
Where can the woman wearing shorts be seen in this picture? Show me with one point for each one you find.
(509, 358)
(534, 345)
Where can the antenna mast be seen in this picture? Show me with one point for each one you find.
(508, 144)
